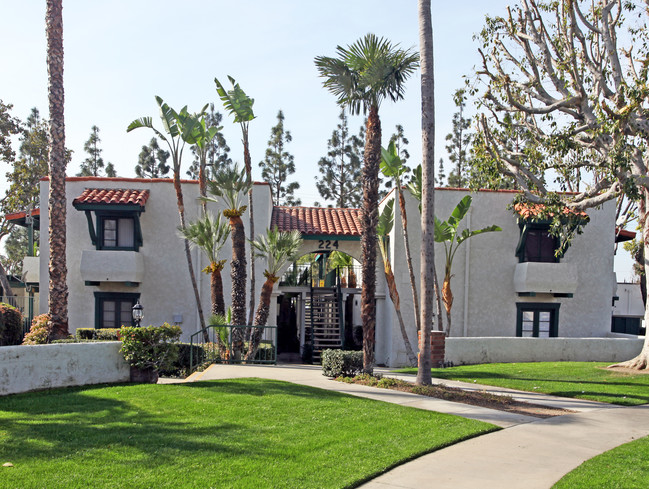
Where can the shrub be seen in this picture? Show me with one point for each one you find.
(153, 347)
(11, 325)
(39, 332)
(104, 334)
(181, 366)
(337, 363)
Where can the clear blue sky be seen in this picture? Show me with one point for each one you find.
(119, 54)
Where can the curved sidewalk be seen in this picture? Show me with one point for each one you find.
(530, 453)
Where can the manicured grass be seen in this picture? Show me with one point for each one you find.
(624, 467)
(247, 433)
(583, 380)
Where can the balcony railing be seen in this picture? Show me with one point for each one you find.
(307, 275)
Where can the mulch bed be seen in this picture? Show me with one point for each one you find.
(440, 391)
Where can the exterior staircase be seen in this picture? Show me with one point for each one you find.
(323, 314)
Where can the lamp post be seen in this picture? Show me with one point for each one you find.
(138, 313)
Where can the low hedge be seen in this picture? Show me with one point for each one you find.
(341, 363)
(11, 325)
(104, 334)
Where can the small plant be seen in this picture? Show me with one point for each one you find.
(337, 363)
(11, 325)
(151, 348)
(104, 334)
(40, 331)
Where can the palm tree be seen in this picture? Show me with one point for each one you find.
(447, 232)
(202, 138)
(393, 167)
(230, 184)
(181, 127)
(361, 77)
(278, 248)
(209, 233)
(240, 106)
(386, 221)
(58, 289)
(428, 189)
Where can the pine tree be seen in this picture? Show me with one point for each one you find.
(94, 165)
(278, 165)
(152, 161)
(440, 176)
(400, 141)
(459, 142)
(218, 152)
(340, 170)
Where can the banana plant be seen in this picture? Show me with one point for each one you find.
(239, 105)
(201, 136)
(447, 232)
(393, 167)
(383, 228)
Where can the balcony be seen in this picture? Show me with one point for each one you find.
(31, 269)
(545, 278)
(112, 266)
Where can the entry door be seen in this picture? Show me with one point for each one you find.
(537, 320)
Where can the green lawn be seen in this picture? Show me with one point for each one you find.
(238, 433)
(624, 467)
(583, 380)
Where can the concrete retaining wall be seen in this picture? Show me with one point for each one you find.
(34, 367)
(461, 351)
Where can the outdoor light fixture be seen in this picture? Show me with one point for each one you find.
(138, 313)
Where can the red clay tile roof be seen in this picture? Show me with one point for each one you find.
(623, 235)
(532, 210)
(317, 220)
(22, 215)
(112, 196)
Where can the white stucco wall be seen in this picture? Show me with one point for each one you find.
(484, 295)
(34, 367)
(466, 351)
(166, 290)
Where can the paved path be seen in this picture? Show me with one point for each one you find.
(528, 454)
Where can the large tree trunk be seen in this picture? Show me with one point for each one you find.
(58, 271)
(369, 220)
(261, 316)
(248, 163)
(394, 295)
(428, 190)
(190, 265)
(641, 362)
(216, 289)
(406, 242)
(238, 278)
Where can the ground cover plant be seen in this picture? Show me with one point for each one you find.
(227, 434)
(582, 380)
(624, 467)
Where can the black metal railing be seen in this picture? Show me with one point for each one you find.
(308, 275)
(231, 344)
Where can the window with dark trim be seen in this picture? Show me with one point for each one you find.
(116, 232)
(114, 309)
(537, 320)
(537, 244)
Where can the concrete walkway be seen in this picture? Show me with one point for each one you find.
(530, 453)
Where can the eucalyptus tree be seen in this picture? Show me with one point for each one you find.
(386, 222)
(278, 248)
(58, 270)
(179, 127)
(392, 167)
(362, 76)
(427, 188)
(239, 105)
(566, 90)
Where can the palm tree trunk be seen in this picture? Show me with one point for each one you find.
(58, 289)
(369, 220)
(406, 242)
(216, 289)
(238, 278)
(202, 184)
(190, 265)
(438, 298)
(248, 163)
(261, 316)
(428, 190)
(394, 295)
(447, 297)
